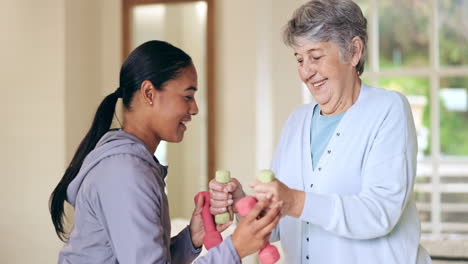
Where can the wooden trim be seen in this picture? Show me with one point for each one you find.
(211, 90)
(449, 258)
(150, 2)
(127, 6)
(126, 13)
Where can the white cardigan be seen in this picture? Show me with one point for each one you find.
(358, 206)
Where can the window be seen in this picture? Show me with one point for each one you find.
(419, 47)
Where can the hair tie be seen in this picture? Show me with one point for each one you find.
(118, 92)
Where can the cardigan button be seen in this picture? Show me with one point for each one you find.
(311, 185)
(319, 169)
(329, 151)
(338, 134)
(307, 257)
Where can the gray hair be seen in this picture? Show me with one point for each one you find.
(329, 20)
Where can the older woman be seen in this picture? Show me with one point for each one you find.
(346, 164)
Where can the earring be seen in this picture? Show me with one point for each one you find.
(151, 102)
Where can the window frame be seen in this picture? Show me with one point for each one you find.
(435, 161)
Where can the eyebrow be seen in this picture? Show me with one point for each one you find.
(309, 51)
(191, 88)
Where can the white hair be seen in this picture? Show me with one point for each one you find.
(329, 20)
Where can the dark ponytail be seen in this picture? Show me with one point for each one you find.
(156, 61)
(101, 124)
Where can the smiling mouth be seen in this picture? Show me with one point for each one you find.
(184, 123)
(319, 84)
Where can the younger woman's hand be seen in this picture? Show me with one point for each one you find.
(254, 230)
(197, 229)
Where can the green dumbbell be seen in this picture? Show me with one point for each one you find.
(265, 176)
(222, 176)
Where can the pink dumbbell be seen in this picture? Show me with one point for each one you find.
(268, 254)
(212, 237)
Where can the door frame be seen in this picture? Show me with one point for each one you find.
(127, 6)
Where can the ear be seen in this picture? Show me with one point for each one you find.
(147, 92)
(358, 47)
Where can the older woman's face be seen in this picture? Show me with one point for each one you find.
(323, 71)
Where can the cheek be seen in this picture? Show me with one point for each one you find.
(165, 119)
(335, 67)
(301, 73)
(328, 71)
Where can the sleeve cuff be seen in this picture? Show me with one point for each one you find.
(195, 251)
(319, 209)
(232, 249)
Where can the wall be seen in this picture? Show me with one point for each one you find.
(92, 62)
(32, 137)
(61, 57)
(257, 83)
(57, 64)
(82, 76)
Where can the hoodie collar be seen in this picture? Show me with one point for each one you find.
(114, 142)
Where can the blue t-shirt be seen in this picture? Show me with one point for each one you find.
(321, 130)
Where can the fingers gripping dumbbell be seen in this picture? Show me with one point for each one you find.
(268, 254)
(212, 237)
(222, 176)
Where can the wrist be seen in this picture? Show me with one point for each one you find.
(239, 194)
(197, 243)
(236, 198)
(296, 203)
(238, 247)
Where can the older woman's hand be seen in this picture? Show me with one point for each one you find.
(293, 200)
(223, 196)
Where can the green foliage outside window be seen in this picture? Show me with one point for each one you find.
(453, 33)
(453, 124)
(404, 37)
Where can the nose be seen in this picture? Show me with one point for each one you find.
(193, 108)
(308, 70)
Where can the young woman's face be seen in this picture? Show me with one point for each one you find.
(174, 106)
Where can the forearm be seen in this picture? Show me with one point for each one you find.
(182, 249)
(223, 253)
(360, 216)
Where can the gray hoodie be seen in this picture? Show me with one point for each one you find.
(122, 213)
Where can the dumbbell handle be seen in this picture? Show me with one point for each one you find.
(268, 254)
(212, 237)
(224, 177)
